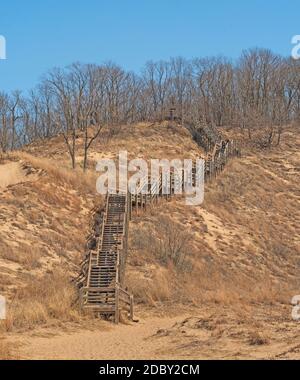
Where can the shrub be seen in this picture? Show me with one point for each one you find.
(167, 242)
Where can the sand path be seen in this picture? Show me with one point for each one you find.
(199, 336)
(109, 342)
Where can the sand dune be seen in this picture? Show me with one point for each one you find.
(11, 174)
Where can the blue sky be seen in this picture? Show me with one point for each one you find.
(48, 33)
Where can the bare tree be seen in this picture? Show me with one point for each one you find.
(64, 115)
(260, 92)
(13, 105)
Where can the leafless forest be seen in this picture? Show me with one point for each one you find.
(260, 89)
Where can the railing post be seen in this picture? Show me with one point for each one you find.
(136, 204)
(117, 309)
(129, 205)
(143, 201)
(81, 298)
(131, 307)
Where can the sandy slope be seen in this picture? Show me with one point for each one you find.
(246, 232)
(11, 174)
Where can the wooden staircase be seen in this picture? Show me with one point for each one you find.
(102, 280)
(104, 293)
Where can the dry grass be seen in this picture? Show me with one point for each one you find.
(244, 238)
(166, 242)
(24, 254)
(164, 251)
(152, 291)
(209, 285)
(156, 140)
(45, 219)
(76, 179)
(257, 338)
(5, 350)
(50, 299)
(154, 282)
